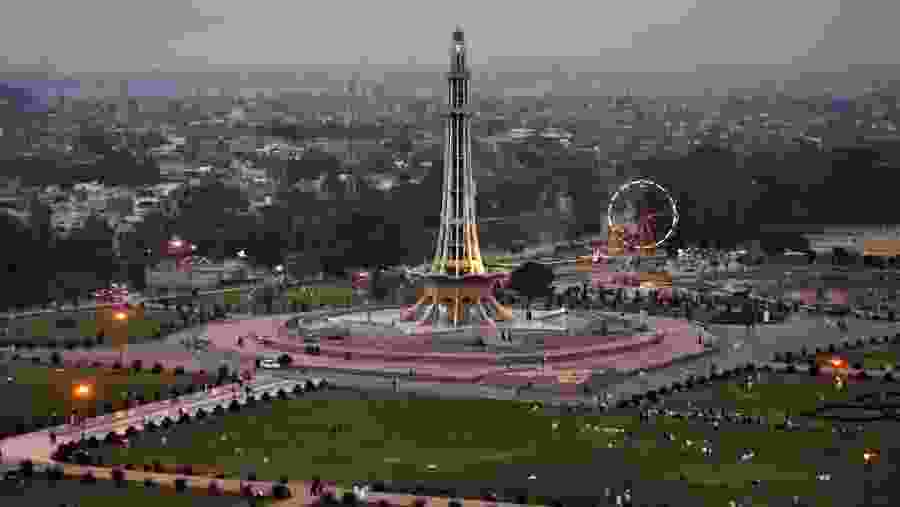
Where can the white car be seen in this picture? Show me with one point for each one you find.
(269, 364)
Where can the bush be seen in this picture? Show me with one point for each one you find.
(157, 368)
(26, 468)
(118, 476)
(181, 485)
(88, 478)
(280, 491)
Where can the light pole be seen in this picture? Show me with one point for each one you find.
(83, 392)
(120, 319)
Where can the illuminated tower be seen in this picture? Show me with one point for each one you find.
(458, 252)
(458, 291)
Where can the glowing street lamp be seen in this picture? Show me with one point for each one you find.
(83, 391)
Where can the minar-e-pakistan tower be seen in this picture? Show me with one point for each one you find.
(457, 290)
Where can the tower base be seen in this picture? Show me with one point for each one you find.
(452, 302)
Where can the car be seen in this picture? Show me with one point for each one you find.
(270, 364)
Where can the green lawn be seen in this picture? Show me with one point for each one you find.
(87, 328)
(467, 440)
(877, 359)
(43, 390)
(773, 400)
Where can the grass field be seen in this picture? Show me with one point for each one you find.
(80, 326)
(878, 359)
(41, 492)
(40, 391)
(473, 440)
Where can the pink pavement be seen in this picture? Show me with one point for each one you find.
(399, 354)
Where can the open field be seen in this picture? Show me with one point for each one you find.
(42, 492)
(75, 327)
(475, 445)
(37, 392)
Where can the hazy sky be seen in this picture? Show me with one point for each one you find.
(659, 34)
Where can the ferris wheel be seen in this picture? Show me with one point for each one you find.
(645, 211)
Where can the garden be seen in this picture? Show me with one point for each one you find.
(33, 393)
(453, 445)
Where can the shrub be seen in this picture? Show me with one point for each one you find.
(280, 491)
(181, 485)
(26, 467)
(118, 476)
(88, 478)
(157, 368)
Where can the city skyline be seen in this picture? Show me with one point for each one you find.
(818, 35)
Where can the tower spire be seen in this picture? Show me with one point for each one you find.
(458, 252)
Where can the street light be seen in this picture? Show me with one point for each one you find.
(82, 391)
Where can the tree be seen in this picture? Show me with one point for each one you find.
(532, 280)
